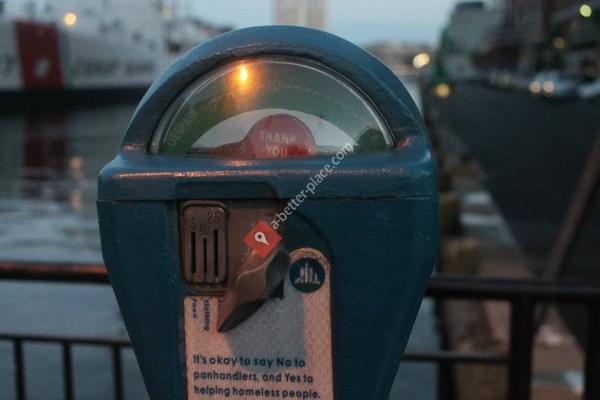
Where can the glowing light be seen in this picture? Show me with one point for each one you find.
(76, 162)
(76, 200)
(442, 90)
(243, 74)
(535, 87)
(166, 10)
(559, 43)
(585, 10)
(70, 19)
(548, 87)
(421, 60)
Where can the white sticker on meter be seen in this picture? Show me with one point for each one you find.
(283, 351)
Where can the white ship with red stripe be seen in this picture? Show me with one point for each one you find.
(91, 44)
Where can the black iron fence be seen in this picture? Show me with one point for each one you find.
(522, 295)
(66, 343)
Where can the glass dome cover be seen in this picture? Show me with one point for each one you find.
(268, 108)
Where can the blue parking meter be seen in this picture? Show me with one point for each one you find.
(270, 221)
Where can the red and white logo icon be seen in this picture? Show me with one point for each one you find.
(262, 239)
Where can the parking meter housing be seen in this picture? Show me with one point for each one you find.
(374, 217)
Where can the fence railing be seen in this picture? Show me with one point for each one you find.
(66, 343)
(522, 295)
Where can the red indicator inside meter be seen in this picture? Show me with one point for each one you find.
(275, 136)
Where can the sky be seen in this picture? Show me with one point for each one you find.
(361, 21)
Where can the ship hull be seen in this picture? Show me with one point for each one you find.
(10, 77)
(38, 56)
(533, 153)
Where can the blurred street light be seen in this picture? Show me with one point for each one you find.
(585, 10)
(559, 43)
(70, 19)
(442, 90)
(548, 87)
(421, 60)
(535, 87)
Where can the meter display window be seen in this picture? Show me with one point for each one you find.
(270, 108)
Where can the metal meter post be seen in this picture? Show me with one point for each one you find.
(269, 222)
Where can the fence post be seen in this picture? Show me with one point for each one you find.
(68, 371)
(117, 373)
(19, 369)
(522, 331)
(592, 358)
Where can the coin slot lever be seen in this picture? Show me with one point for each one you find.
(204, 245)
(256, 280)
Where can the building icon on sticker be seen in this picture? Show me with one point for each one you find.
(307, 275)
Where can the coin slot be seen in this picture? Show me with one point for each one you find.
(205, 257)
(193, 252)
(216, 253)
(203, 230)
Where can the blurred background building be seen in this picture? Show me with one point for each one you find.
(525, 36)
(91, 45)
(549, 34)
(311, 13)
(466, 36)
